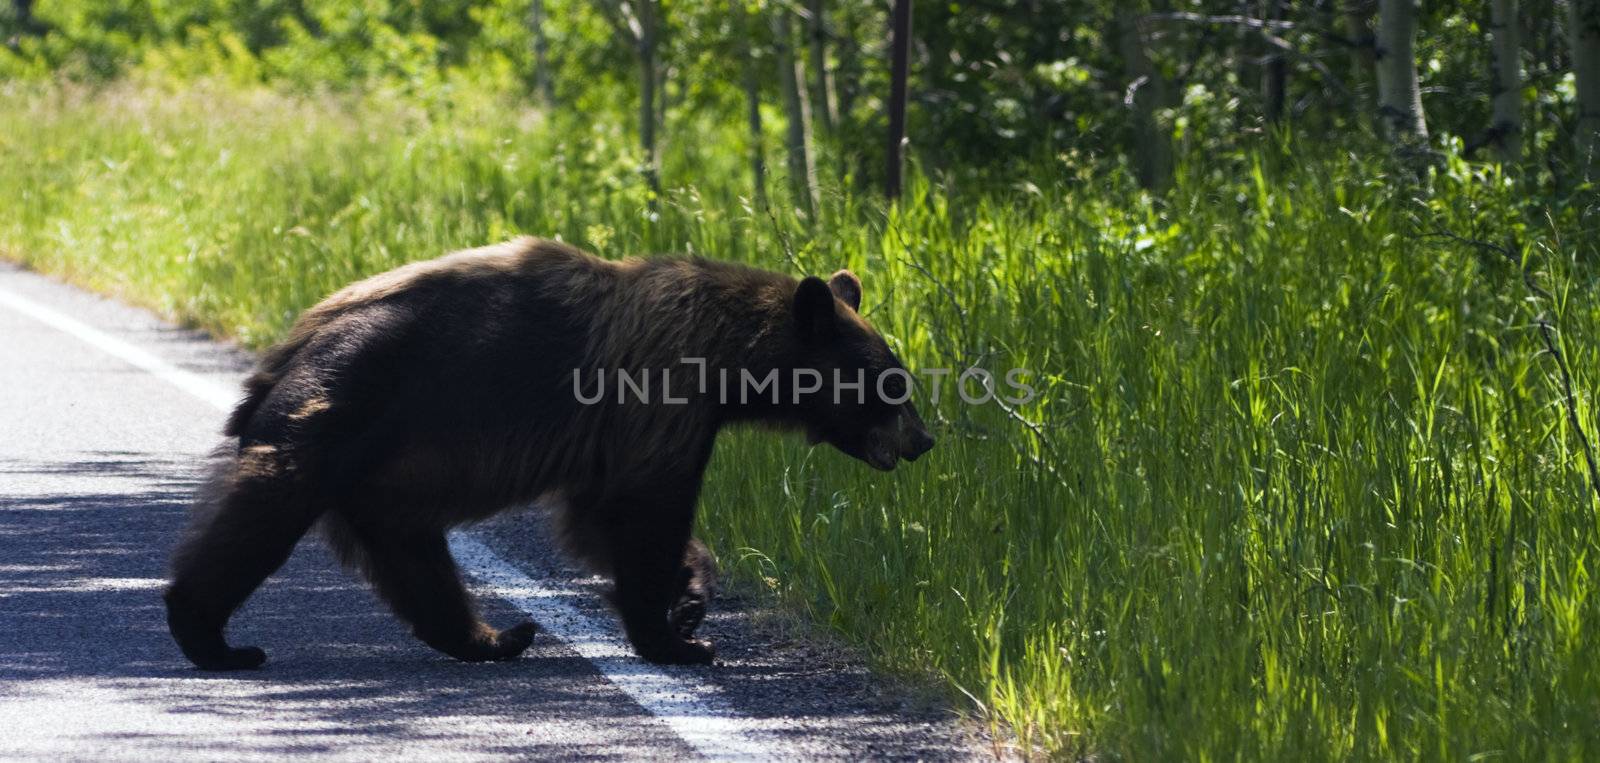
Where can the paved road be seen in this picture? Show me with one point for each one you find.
(106, 415)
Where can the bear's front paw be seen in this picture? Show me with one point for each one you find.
(679, 652)
(512, 642)
(687, 614)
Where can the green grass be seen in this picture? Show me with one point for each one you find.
(1300, 484)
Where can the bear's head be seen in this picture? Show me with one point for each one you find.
(874, 420)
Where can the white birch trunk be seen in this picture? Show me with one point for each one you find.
(791, 78)
(647, 40)
(822, 81)
(1506, 49)
(1399, 93)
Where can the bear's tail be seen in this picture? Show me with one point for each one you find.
(256, 388)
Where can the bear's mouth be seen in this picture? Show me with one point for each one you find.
(873, 450)
(881, 458)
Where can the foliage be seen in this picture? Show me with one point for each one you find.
(995, 81)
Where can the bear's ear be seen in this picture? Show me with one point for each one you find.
(814, 308)
(847, 288)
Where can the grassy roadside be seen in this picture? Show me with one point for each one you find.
(1300, 483)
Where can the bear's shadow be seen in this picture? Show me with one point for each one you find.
(81, 573)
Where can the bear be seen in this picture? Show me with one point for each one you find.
(445, 391)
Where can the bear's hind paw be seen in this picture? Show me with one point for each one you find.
(240, 658)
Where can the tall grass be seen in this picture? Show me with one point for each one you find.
(1301, 482)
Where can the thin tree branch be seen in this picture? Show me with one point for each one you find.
(1248, 22)
(1547, 334)
(1133, 87)
(1265, 28)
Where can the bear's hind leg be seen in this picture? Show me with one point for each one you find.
(414, 572)
(256, 522)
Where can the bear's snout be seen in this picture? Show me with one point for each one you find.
(914, 438)
(909, 438)
(916, 442)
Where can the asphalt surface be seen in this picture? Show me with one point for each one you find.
(99, 458)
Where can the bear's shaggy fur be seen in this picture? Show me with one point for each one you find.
(443, 392)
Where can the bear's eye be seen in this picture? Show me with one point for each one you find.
(894, 388)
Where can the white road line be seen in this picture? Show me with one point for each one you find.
(215, 394)
(692, 708)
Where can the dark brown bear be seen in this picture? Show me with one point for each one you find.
(445, 391)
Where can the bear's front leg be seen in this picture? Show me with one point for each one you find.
(649, 550)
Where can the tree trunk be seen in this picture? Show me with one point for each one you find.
(1584, 26)
(663, 101)
(1145, 94)
(752, 100)
(1506, 49)
(663, 97)
(541, 54)
(758, 158)
(1399, 93)
(802, 167)
(846, 88)
(647, 41)
(822, 78)
(1357, 18)
(22, 11)
(846, 81)
(899, 70)
(1275, 80)
(1247, 43)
